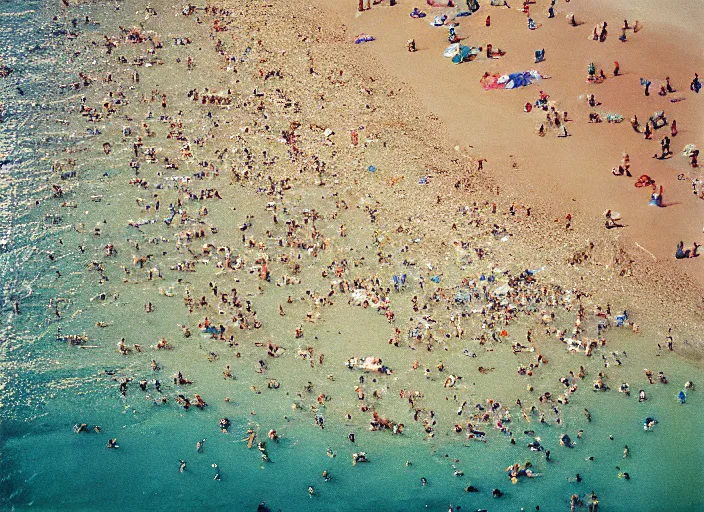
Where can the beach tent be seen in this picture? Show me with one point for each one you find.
(460, 53)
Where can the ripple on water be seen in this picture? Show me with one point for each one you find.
(48, 386)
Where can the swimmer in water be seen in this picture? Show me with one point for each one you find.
(181, 465)
(199, 446)
(217, 471)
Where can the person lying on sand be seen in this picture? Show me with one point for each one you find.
(681, 253)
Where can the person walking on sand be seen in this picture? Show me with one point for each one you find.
(696, 85)
(648, 132)
(656, 198)
(665, 143)
(616, 68)
(673, 128)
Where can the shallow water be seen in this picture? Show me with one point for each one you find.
(48, 386)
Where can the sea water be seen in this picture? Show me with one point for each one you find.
(48, 385)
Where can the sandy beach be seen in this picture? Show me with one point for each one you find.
(251, 264)
(559, 176)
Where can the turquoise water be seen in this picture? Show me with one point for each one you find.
(48, 386)
(143, 474)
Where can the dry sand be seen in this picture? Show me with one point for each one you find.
(557, 176)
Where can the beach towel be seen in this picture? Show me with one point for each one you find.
(451, 50)
(491, 82)
(511, 81)
(363, 38)
(515, 80)
(612, 117)
(449, 3)
(688, 150)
